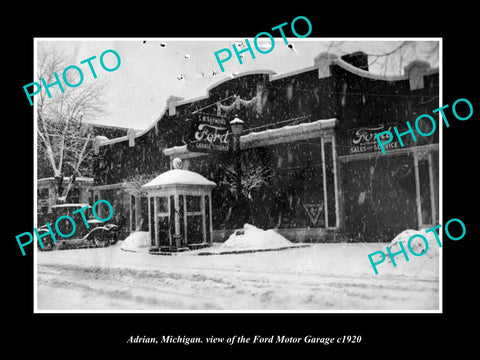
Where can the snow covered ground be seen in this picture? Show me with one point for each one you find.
(321, 277)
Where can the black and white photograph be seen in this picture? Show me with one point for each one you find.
(245, 175)
(221, 178)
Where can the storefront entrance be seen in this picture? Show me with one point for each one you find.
(384, 195)
(289, 178)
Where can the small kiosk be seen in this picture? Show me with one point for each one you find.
(180, 210)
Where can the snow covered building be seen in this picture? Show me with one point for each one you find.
(47, 192)
(310, 165)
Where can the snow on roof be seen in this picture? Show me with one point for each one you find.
(272, 136)
(66, 178)
(179, 177)
(70, 205)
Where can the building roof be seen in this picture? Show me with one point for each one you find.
(179, 177)
(66, 178)
(322, 64)
(79, 205)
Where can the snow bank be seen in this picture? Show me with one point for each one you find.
(255, 239)
(417, 244)
(137, 241)
(425, 264)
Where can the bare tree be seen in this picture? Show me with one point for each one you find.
(133, 184)
(64, 130)
(393, 60)
(252, 178)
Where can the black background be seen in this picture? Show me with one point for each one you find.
(65, 335)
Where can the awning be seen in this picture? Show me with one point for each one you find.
(286, 134)
(281, 135)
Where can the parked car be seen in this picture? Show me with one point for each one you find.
(99, 233)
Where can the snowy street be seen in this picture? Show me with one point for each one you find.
(319, 277)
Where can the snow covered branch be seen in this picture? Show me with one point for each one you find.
(64, 127)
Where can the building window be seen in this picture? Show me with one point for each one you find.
(425, 194)
(283, 184)
(74, 195)
(143, 216)
(43, 200)
(162, 205)
(43, 193)
(133, 214)
(152, 223)
(330, 185)
(207, 219)
(193, 204)
(379, 197)
(295, 197)
(163, 223)
(194, 219)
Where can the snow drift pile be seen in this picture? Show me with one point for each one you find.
(417, 244)
(137, 241)
(254, 238)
